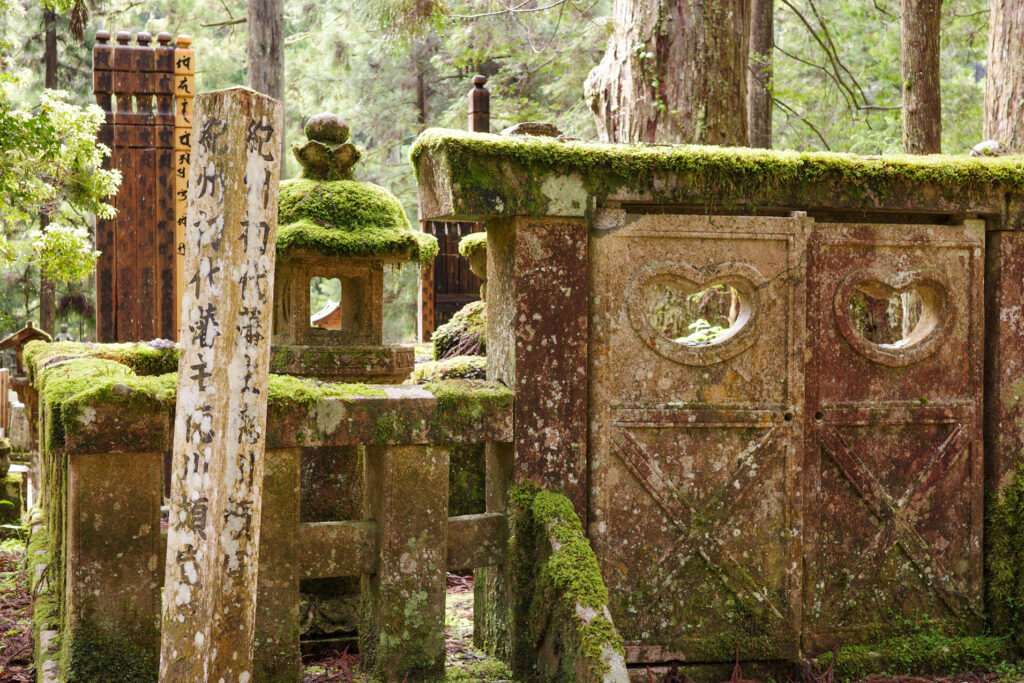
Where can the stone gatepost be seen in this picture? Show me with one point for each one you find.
(401, 629)
(219, 437)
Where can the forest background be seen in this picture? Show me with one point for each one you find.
(836, 86)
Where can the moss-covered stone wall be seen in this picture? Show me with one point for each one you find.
(474, 176)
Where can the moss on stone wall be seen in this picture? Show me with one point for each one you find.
(348, 218)
(464, 335)
(563, 631)
(523, 175)
(459, 367)
(920, 654)
(1004, 557)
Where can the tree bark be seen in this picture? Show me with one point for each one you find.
(674, 71)
(1004, 76)
(47, 287)
(265, 54)
(759, 77)
(920, 23)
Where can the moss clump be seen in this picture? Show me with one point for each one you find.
(472, 244)
(921, 654)
(285, 389)
(144, 358)
(459, 367)
(464, 335)
(560, 597)
(348, 219)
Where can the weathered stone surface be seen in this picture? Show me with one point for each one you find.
(694, 449)
(893, 467)
(537, 343)
(112, 565)
(217, 470)
(276, 656)
(401, 632)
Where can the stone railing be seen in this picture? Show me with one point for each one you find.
(106, 431)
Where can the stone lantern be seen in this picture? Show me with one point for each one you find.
(344, 232)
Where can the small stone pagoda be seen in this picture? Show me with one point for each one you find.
(332, 227)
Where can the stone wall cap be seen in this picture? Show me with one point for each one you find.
(475, 176)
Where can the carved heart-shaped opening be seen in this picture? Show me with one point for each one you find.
(695, 318)
(892, 318)
(691, 316)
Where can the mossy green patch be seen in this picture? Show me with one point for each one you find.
(464, 335)
(472, 244)
(462, 404)
(141, 357)
(1004, 557)
(920, 654)
(346, 218)
(459, 367)
(560, 597)
(285, 389)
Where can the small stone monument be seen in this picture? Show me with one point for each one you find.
(336, 228)
(64, 335)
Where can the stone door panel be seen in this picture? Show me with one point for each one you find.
(695, 447)
(894, 460)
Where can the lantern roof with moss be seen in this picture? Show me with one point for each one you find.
(328, 212)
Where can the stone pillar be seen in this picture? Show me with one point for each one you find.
(537, 344)
(276, 656)
(401, 631)
(220, 418)
(113, 554)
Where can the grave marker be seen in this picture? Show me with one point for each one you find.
(219, 436)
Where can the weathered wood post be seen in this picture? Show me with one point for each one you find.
(220, 425)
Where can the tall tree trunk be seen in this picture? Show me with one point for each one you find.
(759, 77)
(1004, 75)
(674, 71)
(920, 23)
(265, 55)
(47, 289)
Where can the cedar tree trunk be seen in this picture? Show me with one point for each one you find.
(1004, 78)
(922, 100)
(759, 77)
(47, 288)
(674, 71)
(266, 54)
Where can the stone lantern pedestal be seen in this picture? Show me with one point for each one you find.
(333, 227)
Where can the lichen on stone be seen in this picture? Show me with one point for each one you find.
(464, 335)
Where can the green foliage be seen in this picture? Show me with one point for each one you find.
(50, 163)
(464, 335)
(837, 80)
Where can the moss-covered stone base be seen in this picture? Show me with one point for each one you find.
(919, 655)
(464, 335)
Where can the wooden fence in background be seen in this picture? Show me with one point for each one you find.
(146, 93)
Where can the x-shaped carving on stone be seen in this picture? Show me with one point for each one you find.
(896, 526)
(702, 538)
